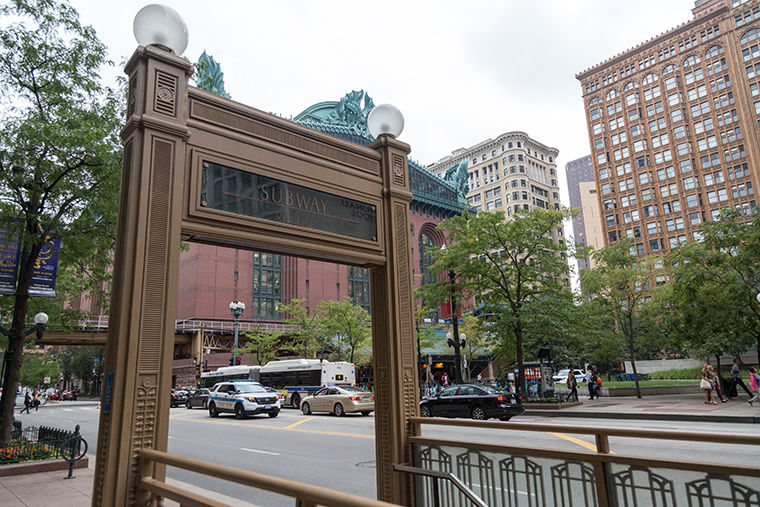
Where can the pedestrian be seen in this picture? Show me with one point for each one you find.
(736, 374)
(706, 385)
(36, 400)
(754, 380)
(27, 402)
(445, 379)
(572, 385)
(591, 382)
(598, 386)
(716, 385)
(511, 380)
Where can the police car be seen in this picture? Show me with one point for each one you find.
(242, 398)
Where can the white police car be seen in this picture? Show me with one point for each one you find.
(242, 398)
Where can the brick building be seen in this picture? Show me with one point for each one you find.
(673, 127)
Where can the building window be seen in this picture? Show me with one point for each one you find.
(267, 285)
(358, 285)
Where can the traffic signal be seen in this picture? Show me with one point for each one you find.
(237, 360)
(232, 359)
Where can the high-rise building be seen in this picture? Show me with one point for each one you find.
(587, 225)
(673, 125)
(508, 173)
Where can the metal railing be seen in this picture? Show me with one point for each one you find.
(304, 495)
(101, 322)
(512, 475)
(44, 443)
(446, 476)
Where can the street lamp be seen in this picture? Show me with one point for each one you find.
(458, 345)
(237, 308)
(40, 320)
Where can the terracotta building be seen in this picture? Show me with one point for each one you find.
(673, 126)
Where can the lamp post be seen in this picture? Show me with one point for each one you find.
(237, 308)
(40, 320)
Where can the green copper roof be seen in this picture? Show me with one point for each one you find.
(347, 119)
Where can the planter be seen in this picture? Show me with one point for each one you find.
(35, 467)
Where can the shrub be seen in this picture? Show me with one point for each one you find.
(20, 450)
(684, 374)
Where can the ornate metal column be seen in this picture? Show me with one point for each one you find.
(393, 340)
(135, 405)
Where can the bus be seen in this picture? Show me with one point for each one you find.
(299, 378)
(227, 373)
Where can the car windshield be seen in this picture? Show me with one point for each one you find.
(250, 388)
(354, 389)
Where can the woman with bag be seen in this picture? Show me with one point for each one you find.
(716, 385)
(754, 381)
(706, 385)
(572, 385)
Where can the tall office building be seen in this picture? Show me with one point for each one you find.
(673, 124)
(508, 173)
(587, 225)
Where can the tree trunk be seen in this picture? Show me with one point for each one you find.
(520, 361)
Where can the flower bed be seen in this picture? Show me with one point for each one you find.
(19, 451)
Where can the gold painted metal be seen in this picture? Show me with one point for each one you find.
(171, 130)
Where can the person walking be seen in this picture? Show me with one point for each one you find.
(36, 400)
(572, 385)
(716, 385)
(27, 402)
(511, 380)
(706, 385)
(736, 377)
(591, 382)
(445, 379)
(754, 380)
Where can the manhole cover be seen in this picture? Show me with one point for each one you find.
(367, 464)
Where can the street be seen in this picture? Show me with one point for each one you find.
(339, 453)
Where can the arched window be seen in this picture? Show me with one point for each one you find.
(714, 51)
(612, 94)
(648, 79)
(750, 35)
(669, 69)
(594, 101)
(426, 258)
(631, 85)
(692, 60)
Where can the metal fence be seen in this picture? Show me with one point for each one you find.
(42, 443)
(512, 476)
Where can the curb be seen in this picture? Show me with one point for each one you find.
(739, 419)
(36, 467)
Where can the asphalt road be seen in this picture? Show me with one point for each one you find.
(339, 453)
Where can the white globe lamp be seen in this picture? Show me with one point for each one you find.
(385, 119)
(160, 25)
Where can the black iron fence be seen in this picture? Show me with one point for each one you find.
(42, 443)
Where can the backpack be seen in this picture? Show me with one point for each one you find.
(599, 381)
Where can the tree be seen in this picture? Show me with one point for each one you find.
(426, 337)
(480, 341)
(36, 368)
(262, 344)
(505, 264)
(82, 362)
(347, 322)
(620, 285)
(305, 328)
(59, 152)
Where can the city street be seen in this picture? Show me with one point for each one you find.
(339, 453)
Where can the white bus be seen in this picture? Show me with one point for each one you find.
(227, 373)
(299, 378)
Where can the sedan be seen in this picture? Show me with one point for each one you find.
(339, 401)
(561, 376)
(69, 395)
(478, 401)
(198, 399)
(179, 397)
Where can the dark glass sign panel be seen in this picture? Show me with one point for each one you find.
(226, 189)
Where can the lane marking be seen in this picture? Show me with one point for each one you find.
(230, 422)
(587, 445)
(260, 452)
(298, 422)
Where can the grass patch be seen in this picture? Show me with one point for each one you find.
(656, 382)
(685, 374)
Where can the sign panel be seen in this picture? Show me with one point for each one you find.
(226, 189)
(107, 393)
(45, 269)
(10, 248)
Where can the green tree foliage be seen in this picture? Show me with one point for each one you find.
(36, 367)
(306, 335)
(262, 344)
(619, 286)
(348, 324)
(503, 264)
(59, 151)
(82, 362)
(480, 341)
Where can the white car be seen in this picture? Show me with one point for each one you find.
(243, 399)
(561, 376)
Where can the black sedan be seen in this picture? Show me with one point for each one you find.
(478, 401)
(179, 397)
(198, 399)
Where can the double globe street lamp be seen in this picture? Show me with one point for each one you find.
(237, 308)
(40, 321)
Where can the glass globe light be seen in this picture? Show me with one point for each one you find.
(159, 24)
(758, 297)
(41, 318)
(385, 119)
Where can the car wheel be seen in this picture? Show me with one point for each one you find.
(188, 404)
(273, 414)
(239, 411)
(295, 400)
(425, 411)
(505, 418)
(212, 411)
(306, 409)
(365, 412)
(338, 410)
(478, 414)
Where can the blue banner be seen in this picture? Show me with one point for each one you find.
(45, 269)
(10, 248)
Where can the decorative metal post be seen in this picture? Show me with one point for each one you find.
(237, 308)
(455, 340)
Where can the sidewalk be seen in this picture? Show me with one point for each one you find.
(680, 407)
